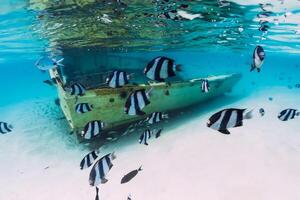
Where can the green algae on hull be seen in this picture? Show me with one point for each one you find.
(109, 102)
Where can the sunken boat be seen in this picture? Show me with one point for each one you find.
(108, 103)
(94, 38)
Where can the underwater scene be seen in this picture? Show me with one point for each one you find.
(149, 100)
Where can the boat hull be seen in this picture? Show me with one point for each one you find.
(109, 103)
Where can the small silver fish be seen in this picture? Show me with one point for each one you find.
(46, 63)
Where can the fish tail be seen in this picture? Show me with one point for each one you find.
(249, 114)
(97, 151)
(178, 68)
(149, 92)
(130, 76)
(140, 169)
(165, 116)
(113, 156)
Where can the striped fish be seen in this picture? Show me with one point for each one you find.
(117, 79)
(156, 117)
(205, 86)
(288, 114)
(228, 118)
(92, 129)
(161, 68)
(100, 170)
(5, 128)
(88, 160)
(136, 101)
(257, 58)
(83, 108)
(76, 89)
(146, 135)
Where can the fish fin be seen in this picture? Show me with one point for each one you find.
(157, 134)
(226, 132)
(297, 113)
(48, 82)
(146, 143)
(238, 124)
(252, 67)
(258, 69)
(178, 68)
(104, 180)
(248, 115)
(139, 112)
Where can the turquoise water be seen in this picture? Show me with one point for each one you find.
(211, 44)
(220, 40)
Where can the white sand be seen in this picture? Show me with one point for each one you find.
(189, 161)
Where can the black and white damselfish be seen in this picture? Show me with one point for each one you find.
(288, 114)
(117, 79)
(145, 136)
(92, 129)
(88, 160)
(100, 169)
(257, 58)
(161, 68)
(76, 89)
(83, 108)
(5, 127)
(205, 86)
(228, 118)
(156, 117)
(136, 101)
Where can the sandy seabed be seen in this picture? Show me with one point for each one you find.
(40, 160)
